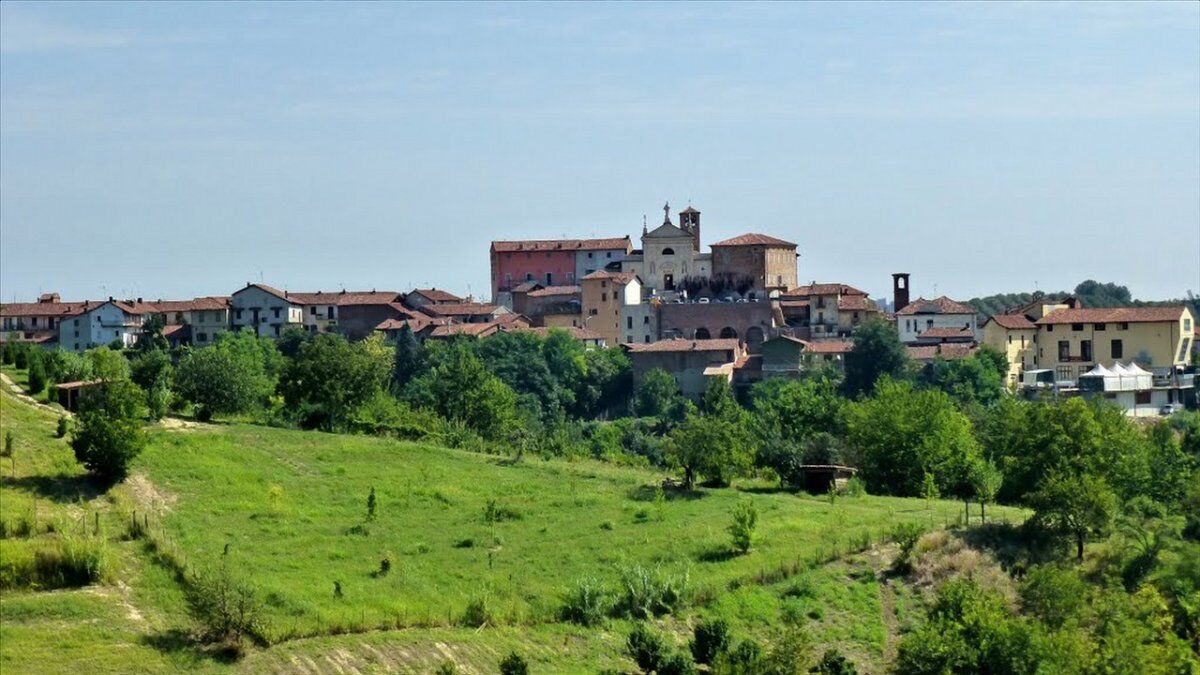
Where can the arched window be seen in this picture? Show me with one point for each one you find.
(728, 332)
(754, 337)
(668, 251)
(703, 334)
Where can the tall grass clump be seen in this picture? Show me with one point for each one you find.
(586, 603)
(69, 561)
(645, 593)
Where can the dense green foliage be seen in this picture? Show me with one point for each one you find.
(108, 430)
(233, 375)
(877, 353)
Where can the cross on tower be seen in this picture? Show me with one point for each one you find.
(667, 213)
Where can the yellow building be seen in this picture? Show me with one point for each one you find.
(1071, 341)
(603, 295)
(1013, 335)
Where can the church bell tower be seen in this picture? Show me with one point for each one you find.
(689, 221)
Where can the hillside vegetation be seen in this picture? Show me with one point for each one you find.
(292, 508)
(1090, 293)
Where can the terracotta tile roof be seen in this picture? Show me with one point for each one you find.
(1112, 315)
(948, 351)
(555, 290)
(416, 324)
(209, 303)
(942, 305)
(941, 332)
(42, 308)
(685, 346)
(690, 209)
(266, 289)
(475, 329)
(1012, 321)
(526, 286)
(828, 346)
(753, 239)
(617, 277)
(561, 244)
(461, 309)
(369, 298)
(436, 295)
(171, 329)
(855, 303)
(822, 289)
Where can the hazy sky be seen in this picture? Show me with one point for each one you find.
(172, 150)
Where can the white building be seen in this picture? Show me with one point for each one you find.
(265, 309)
(100, 324)
(949, 321)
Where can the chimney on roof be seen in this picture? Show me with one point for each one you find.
(899, 291)
(139, 301)
(110, 298)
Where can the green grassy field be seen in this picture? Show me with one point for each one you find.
(286, 512)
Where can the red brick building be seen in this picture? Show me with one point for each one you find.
(551, 262)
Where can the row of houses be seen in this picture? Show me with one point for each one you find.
(736, 312)
(77, 326)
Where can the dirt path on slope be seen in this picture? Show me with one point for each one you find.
(881, 560)
(26, 398)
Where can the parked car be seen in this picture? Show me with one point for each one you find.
(1170, 409)
(703, 301)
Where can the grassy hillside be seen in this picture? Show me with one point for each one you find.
(286, 513)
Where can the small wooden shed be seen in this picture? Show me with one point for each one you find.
(68, 392)
(818, 477)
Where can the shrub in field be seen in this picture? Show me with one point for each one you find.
(586, 603)
(906, 535)
(275, 498)
(21, 357)
(385, 565)
(495, 512)
(63, 427)
(227, 610)
(37, 374)
(741, 530)
(514, 664)
(834, 663)
(478, 612)
(446, 667)
(676, 663)
(8, 444)
(709, 639)
(647, 648)
(746, 657)
(371, 504)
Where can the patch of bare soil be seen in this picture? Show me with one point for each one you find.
(149, 497)
(176, 424)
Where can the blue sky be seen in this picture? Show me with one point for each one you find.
(171, 150)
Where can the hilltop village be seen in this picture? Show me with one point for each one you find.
(736, 312)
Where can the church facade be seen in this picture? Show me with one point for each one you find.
(670, 253)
